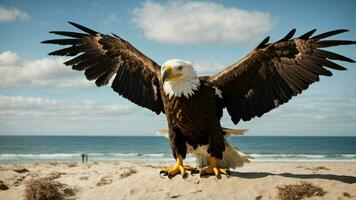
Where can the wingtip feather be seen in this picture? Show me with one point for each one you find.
(329, 34)
(290, 34)
(83, 28)
(263, 43)
(307, 34)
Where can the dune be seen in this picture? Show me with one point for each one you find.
(113, 180)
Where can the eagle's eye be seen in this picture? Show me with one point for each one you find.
(180, 68)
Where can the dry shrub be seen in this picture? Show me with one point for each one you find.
(42, 189)
(46, 189)
(299, 191)
(128, 173)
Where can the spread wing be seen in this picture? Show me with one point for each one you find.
(104, 56)
(273, 73)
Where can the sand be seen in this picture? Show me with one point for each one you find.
(257, 180)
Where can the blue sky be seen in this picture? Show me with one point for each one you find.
(40, 96)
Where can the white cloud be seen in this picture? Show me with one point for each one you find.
(11, 14)
(8, 58)
(182, 22)
(16, 107)
(207, 68)
(15, 71)
(320, 109)
(307, 114)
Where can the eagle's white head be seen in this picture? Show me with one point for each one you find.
(179, 78)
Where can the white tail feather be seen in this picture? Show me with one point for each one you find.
(232, 156)
(163, 133)
(228, 132)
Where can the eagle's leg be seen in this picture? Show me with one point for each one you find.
(216, 150)
(179, 150)
(178, 168)
(213, 169)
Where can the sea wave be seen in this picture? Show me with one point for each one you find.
(125, 154)
(77, 155)
(133, 156)
(310, 156)
(140, 155)
(305, 157)
(348, 155)
(95, 154)
(157, 155)
(53, 155)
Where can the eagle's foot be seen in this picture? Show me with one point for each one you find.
(179, 168)
(213, 169)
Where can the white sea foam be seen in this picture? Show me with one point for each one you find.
(95, 154)
(348, 155)
(54, 155)
(135, 156)
(305, 157)
(156, 155)
(282, 156)
(125, 154)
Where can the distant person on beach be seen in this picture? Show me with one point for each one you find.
(82, 156)
(86, 158)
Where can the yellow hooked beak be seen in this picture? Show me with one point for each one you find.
(168, 74)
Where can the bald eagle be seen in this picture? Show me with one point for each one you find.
(269, 76)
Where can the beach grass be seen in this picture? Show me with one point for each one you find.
(299, 191)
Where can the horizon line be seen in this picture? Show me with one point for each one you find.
(19, 135)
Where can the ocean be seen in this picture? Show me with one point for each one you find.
(22, 149)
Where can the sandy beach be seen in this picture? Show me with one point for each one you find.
(257, 180)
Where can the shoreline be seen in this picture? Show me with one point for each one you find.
(172, 161)
(141, 180)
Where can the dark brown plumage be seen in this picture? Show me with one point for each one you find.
(103, 56)
(273, 73)
(195, 120)
(267, 77)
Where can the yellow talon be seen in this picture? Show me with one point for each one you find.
(178, 168)
(224, 171)
(216, 171)
(213, 169)
(182, 169)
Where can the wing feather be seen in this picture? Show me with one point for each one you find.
(69, 34)
(330, 55)
(306, 35)
(329, 34)
(103, 57)
(273, 73)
